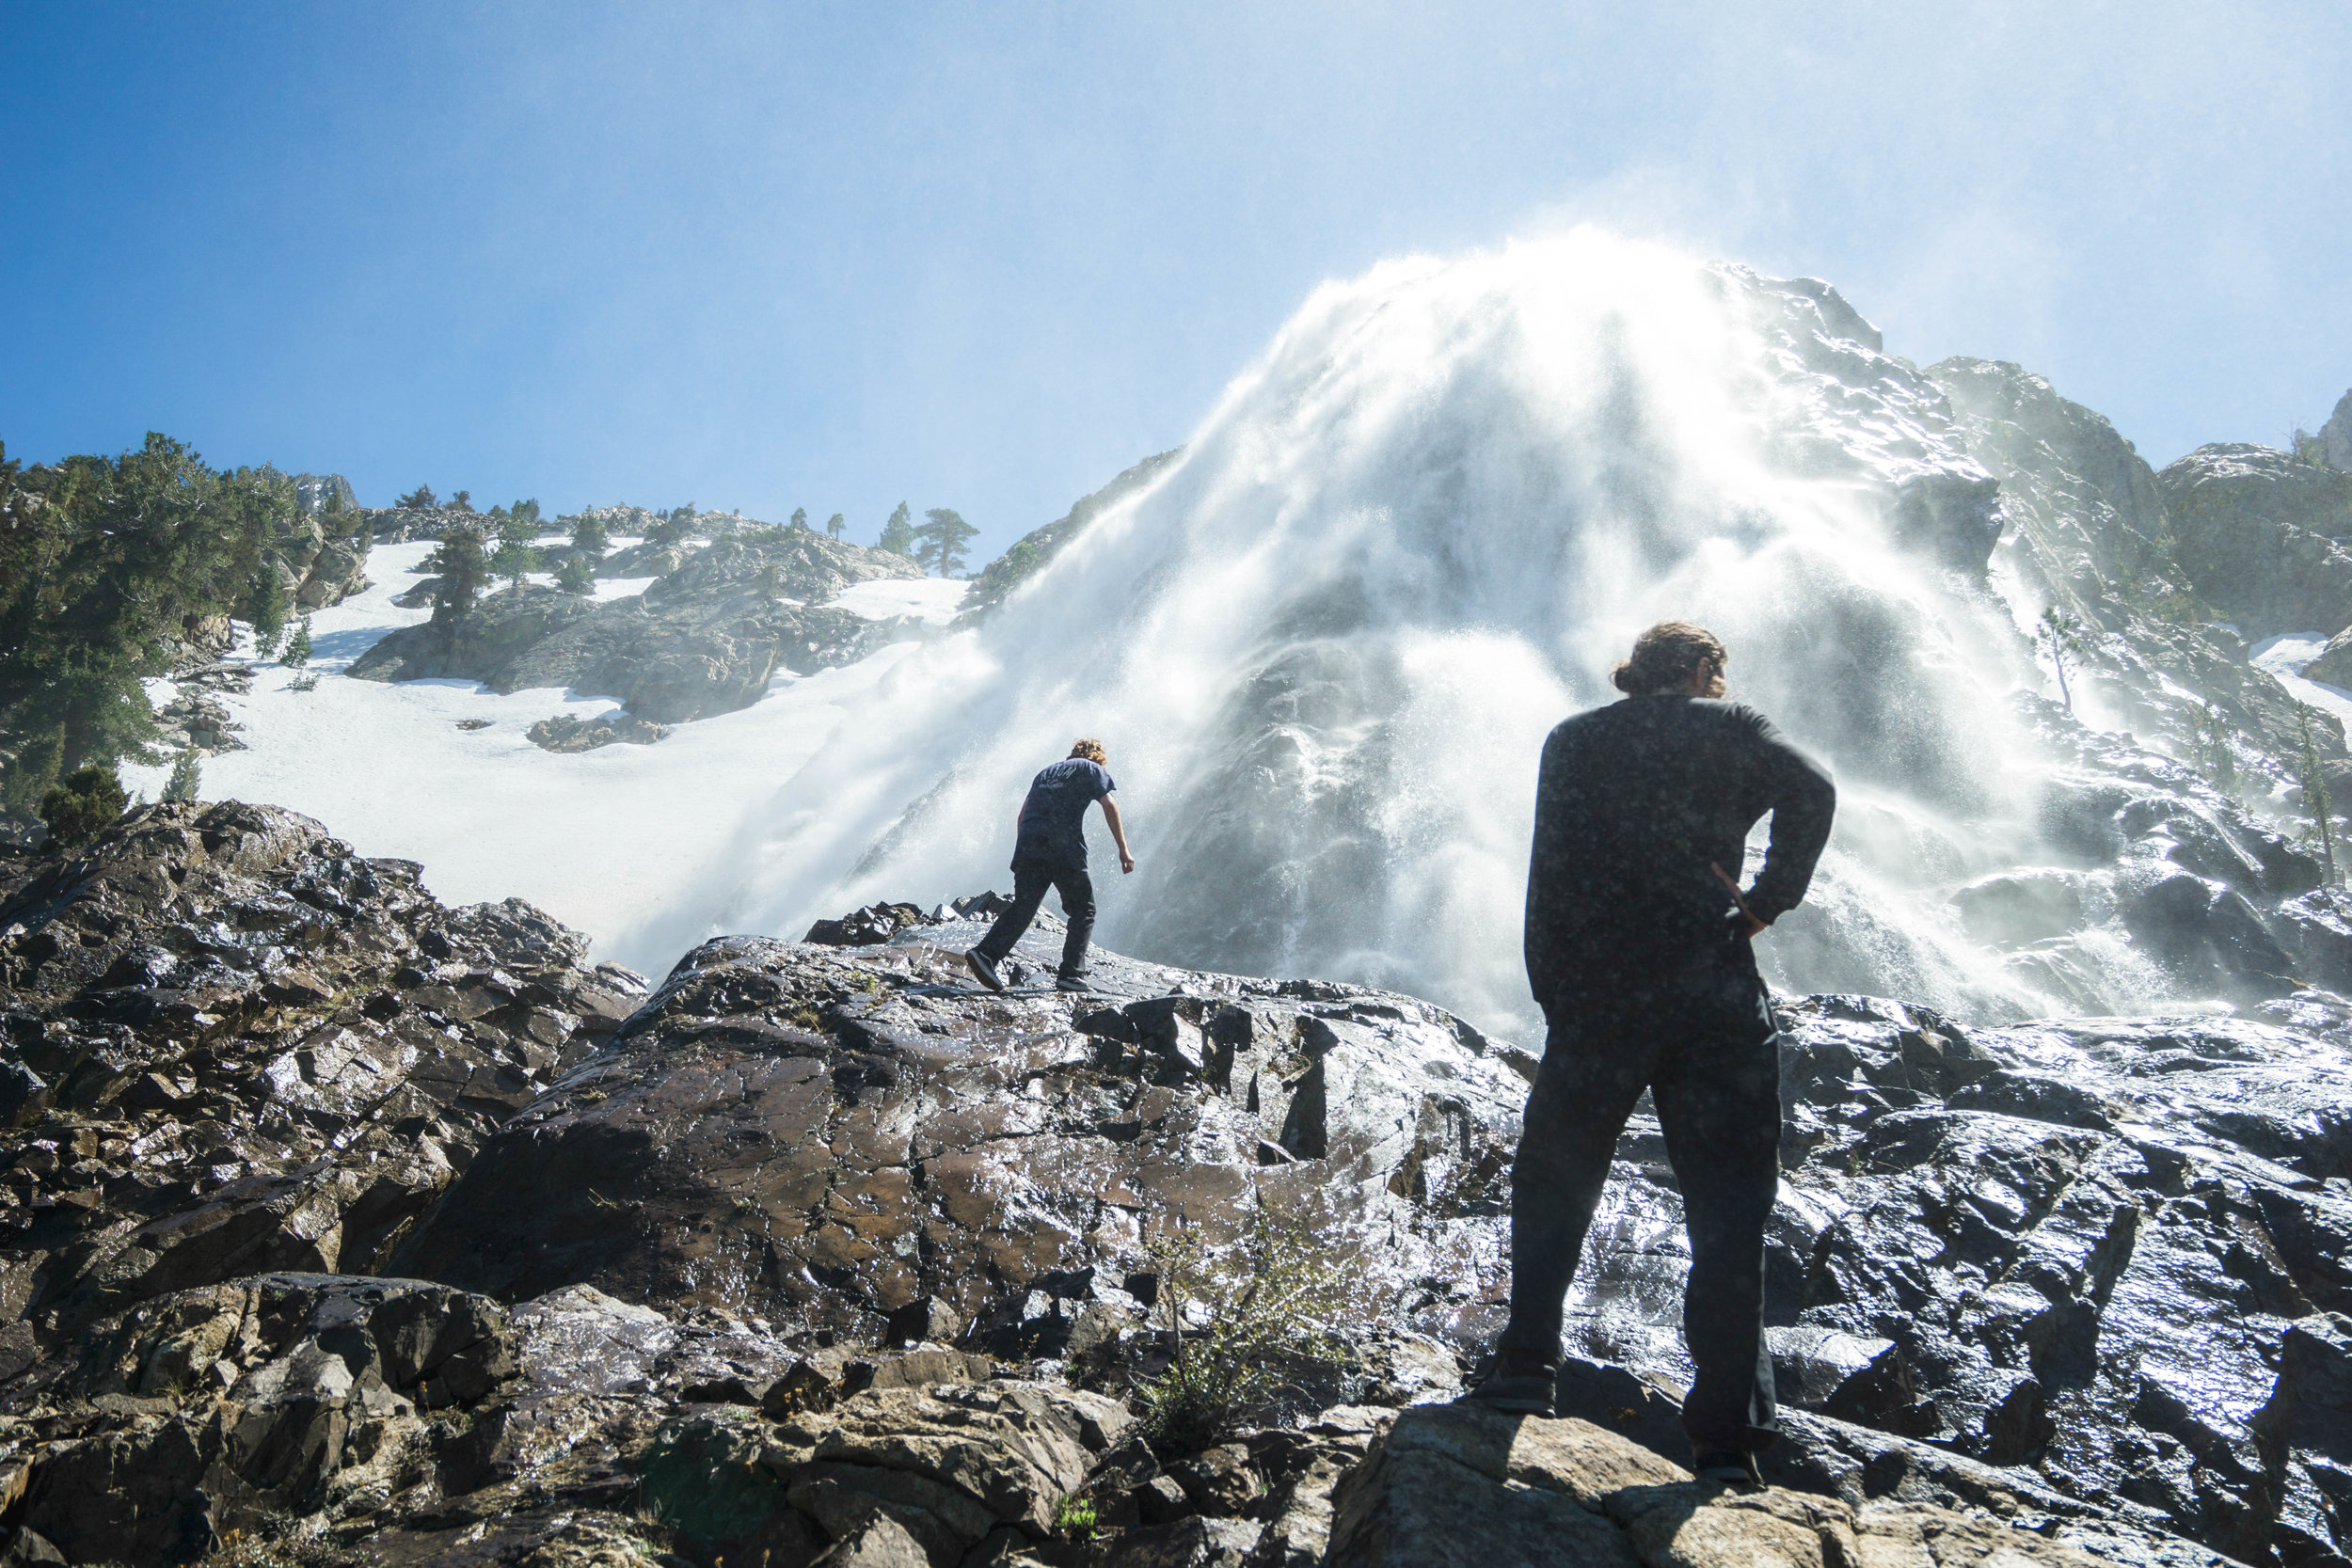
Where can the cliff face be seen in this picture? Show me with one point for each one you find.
(333, 1210)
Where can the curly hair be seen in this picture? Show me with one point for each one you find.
(1664, 656)
(1092, 749)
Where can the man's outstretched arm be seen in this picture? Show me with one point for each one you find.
(1119, 834)
(1805, 802)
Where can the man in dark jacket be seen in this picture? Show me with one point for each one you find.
(1049, 849)
(1638, 950)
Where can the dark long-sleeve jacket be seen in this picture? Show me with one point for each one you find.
(1635, 803)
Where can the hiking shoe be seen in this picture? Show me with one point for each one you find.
(1732, 1467)
(1521, 1383)
(978, 963)
(1071, 982)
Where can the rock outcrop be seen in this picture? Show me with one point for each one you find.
(2259, 536)
(235, 1046)
(2335, 437)
(2093, 533)
(333, 1211)
(1033, 549)
(1458, 1486)
(703, 640)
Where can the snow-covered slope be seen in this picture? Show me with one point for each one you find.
(600, 839)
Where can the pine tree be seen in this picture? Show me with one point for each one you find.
(513, 561)
(526, 509)
(419, 499)
(297, 652)
(835, 525)
(2214, 753)
(462, 565)
(462, 501)
(268, 611)
(939, 543)
(588, 534)
(576, 575)
(2058, 637)
(186, 778)
(897, 535)
(800, 517)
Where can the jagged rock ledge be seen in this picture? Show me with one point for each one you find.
(406, 1231)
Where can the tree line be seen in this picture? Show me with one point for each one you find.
(108, 566)
(939, 543)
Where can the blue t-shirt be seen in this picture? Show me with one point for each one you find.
(1052, 818)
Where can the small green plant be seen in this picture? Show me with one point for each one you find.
(1244, 1316)
(186, 778)
(2057, 637)
(306, 681)
(274, 1541)
(82, 805)
(1076, 1519)
(578, 574)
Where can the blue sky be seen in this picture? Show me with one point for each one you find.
(837, 256)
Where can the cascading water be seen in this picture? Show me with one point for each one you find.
(1324, 647)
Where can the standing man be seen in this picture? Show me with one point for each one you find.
(1049, 849)
(1638, 949)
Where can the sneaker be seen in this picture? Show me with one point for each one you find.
(1071, 982)
(978, 963)
(1731, 1467)
(1520, 1384)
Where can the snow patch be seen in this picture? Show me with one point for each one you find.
(934, 599)
(2286, 655)
(602, 840)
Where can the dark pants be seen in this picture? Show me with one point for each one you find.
(1703, 1041)
(1029, 883)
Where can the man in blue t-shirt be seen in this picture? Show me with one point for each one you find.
(1049, 849)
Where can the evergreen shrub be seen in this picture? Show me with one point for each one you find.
(84, 804)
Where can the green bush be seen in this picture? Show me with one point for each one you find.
(576, 575)
(1244, 1316)
(84, 805)
(297, 652)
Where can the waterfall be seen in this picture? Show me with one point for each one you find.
(1324, 647)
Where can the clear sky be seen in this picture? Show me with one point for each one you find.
(838, 256)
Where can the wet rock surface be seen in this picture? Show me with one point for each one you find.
(703, 639)
(404, 1235)
(2258, 534)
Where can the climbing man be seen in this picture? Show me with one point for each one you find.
(1638, 948)
(1049, 849)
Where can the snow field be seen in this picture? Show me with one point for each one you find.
(603, 840)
